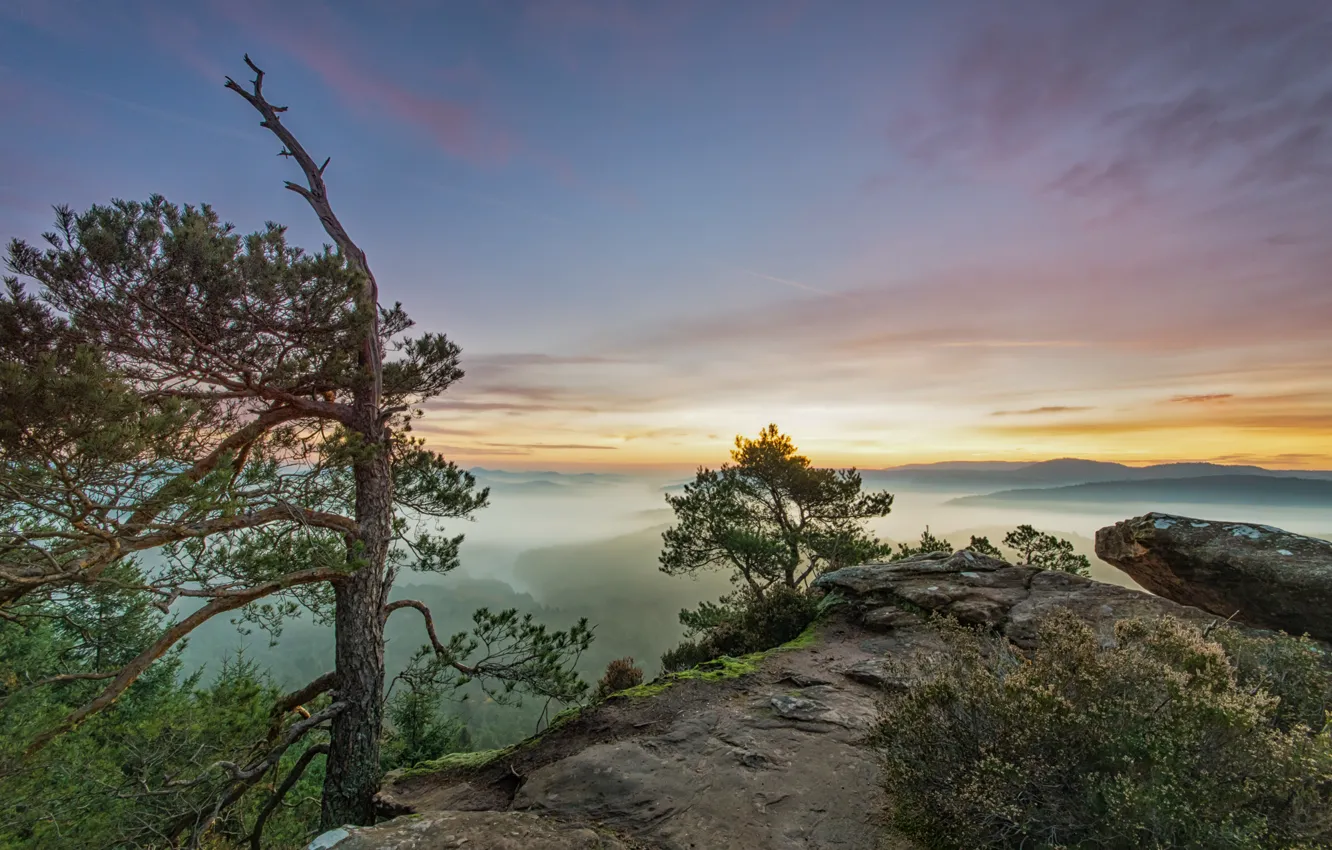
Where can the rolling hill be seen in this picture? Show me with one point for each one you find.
(1219, 489)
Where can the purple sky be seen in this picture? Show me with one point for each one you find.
(901, 230)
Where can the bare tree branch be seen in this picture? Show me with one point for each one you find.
(293, 776)
(289, 702)
(439, 648)
(316, 194)
(243, 778)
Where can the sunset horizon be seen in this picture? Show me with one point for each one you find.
(1092, 230)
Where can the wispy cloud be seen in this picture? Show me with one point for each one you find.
(795, 284)
(556, 446)
(1201, 399)
(1011, 343)
(308, 31)
(1038, 411)
(1136, 104)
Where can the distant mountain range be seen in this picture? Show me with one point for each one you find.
(998, 478)
(1266, 489)
(991, 475)
(547, 481)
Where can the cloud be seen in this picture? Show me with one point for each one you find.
(1010, 343)
(451, 404)
(1036, 411)
(558, 446)
(1307, 422)
(1197, 399)
(1137, 104)
(794, 284)
(309, 30)
(314, 34)
(1301, 459)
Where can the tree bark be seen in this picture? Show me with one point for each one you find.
(353, 772)
(352, 775)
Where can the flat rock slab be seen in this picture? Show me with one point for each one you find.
(1260, 575)
(776, 769)
(775, 761)
(467, 831)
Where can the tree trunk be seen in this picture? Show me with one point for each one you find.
(353, 774)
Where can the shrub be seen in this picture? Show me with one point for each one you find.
(686, 654)
(740, 624)
(621, 674)
(1170, 738)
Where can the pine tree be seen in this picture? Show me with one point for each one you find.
(771, 518)
(245, 408)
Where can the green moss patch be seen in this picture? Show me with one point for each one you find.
(720, 669)
(454, 761)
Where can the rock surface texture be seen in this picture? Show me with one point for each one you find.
(764, 754)
(467, 831)
(986, 592)
(1259, 575)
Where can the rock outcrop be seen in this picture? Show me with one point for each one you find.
(760, 753)
(1259, 575)
(983, 591)
(763, 753)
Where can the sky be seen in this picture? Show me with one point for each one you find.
(902, 231)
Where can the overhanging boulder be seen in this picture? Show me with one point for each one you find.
(1259, 575)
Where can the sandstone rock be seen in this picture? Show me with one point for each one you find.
(983, 591)
(798, 708)
(1260, 575)
(752, 776)
(889, 617)
(879, 675)
(467, 831)
(773, 760)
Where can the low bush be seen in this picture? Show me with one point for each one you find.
(1173, 737)
(740, 624)
(621, 674)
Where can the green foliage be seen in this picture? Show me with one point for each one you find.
(146, 769)
(173, 387)
(1046, 551)
(620, 675)
(687, 654)
(510, 655)
(418, 730)
(1033, 548)
(983, 546)
(1287, 668)
(741, 624)
(1167, 739)
(770, 518)
(928, 543)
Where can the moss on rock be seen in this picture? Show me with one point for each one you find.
(719, 669)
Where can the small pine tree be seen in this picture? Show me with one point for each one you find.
(983, 546)
(771, 518)
(1046, 551)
